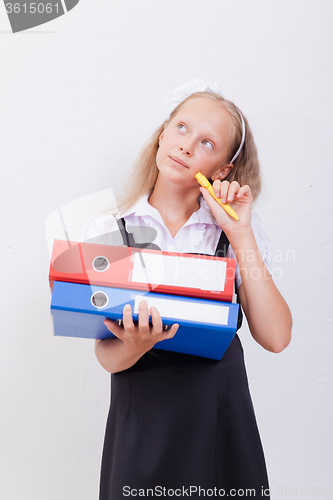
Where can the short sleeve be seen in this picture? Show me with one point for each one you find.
(263, 242)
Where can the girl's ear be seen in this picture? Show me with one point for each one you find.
(222, 172)
(162, 134)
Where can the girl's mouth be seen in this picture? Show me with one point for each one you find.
(177, 161)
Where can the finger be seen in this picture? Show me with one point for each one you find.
(213, 204)
(172, 332)
(114, 328)
(143, 315)
(244, 191)
(128, 318)
(225, 185)
(156, 319)
(217, 188)
(233, 190)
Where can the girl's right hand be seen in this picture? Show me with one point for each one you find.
(239, 198)
(143, 337)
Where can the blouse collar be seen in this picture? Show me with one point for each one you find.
(142, 208)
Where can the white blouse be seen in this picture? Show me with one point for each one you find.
(200, 233)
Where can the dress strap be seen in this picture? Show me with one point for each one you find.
(128, 238)
(222, 246)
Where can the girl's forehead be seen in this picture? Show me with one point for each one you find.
(206, 112)
(205, 109)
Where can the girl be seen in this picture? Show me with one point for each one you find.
(183, 425)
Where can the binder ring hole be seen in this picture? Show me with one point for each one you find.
(100, 263)
(99, 299)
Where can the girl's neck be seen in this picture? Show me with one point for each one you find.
(175, 204)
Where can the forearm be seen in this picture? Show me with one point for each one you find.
(114, 356)
(267, 312)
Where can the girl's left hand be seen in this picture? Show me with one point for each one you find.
(239, 198)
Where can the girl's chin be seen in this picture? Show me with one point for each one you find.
(177, 177)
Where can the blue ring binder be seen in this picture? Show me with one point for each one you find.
(75, 315)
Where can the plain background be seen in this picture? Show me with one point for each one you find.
(79, 97)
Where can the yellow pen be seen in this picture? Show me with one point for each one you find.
(206, 184)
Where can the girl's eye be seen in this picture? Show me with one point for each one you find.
(182, 127)
(208, 144)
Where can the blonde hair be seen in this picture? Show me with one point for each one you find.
(246, 169)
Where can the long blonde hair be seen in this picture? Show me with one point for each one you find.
(246, 169)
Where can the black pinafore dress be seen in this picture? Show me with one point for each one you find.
(182, 425)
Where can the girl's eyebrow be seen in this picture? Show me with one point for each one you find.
(210, 134)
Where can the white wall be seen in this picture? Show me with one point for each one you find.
(79, 96)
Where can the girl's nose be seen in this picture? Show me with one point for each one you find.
(187, 145)
(186, 149)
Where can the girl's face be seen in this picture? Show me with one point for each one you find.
(196, 140)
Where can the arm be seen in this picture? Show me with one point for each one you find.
(267, 313)
(131, 342)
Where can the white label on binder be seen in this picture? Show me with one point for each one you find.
(190, 272)
(214, 313)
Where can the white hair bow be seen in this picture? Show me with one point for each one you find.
(182, 91)
(188, 88)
